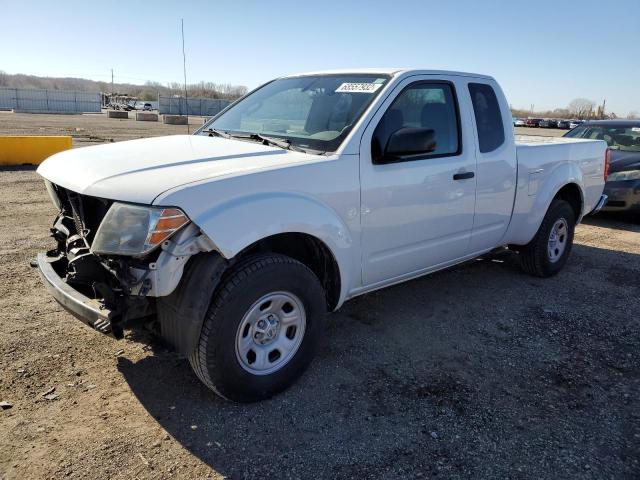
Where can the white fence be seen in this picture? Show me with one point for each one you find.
(49, 101)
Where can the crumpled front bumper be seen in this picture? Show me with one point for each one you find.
(90, 311)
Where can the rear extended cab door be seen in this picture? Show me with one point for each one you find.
(417, 212)
(496, 168)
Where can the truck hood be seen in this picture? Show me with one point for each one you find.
(140, 170)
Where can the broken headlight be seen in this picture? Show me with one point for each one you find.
(135, 229)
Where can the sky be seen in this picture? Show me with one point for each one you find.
(542, 52)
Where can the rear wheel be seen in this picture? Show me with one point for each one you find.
(261, 330)
(549, 250)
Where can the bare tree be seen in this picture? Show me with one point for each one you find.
(148, 91)
(581, 107)
(560, 113)
(633, 114)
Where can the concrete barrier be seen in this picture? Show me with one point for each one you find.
(175, 119)
(146, 117)
(31, 150)
(117, 114)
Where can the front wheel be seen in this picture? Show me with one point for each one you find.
(546, 254)
(261, 330)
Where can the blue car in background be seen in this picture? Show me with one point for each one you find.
(623, 138)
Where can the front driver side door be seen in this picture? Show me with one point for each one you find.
(417, 210)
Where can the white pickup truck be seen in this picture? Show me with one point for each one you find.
(233, 243)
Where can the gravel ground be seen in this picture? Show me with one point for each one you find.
(479, 371)
(90, 128)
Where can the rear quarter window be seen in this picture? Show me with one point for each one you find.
(488, 117)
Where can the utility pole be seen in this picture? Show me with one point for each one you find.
(184, 69)
(110, 102)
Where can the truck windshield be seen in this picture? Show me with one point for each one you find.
(617, 138)
(313, 112)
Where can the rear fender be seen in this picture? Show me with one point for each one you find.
(529, 210)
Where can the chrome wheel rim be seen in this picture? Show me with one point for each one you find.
(557, 240)
(270, 333)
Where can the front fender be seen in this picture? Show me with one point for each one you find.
(238, 223)
(529, 210)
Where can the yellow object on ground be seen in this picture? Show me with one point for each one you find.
(20, 150)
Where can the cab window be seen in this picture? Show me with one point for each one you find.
(422, 122)
(488, 118)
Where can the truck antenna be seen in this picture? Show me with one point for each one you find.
(184, 70)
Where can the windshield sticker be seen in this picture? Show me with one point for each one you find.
(358, 87)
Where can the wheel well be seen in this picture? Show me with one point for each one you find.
(572, 194)
(308, 250)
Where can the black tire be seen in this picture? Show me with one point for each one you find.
(215, 361)
(534, 257)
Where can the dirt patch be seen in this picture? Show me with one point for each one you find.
(90, 128)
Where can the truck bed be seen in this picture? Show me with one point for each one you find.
(544, 165)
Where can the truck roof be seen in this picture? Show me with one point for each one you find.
(389, 71)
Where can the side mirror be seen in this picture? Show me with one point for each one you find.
(410, 141)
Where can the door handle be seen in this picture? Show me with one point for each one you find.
(463, 176)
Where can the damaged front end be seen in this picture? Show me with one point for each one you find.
(96, 289)
(113, 259)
